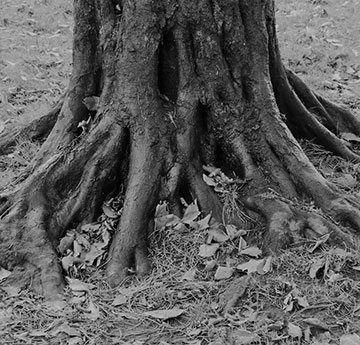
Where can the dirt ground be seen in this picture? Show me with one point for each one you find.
(198, 293)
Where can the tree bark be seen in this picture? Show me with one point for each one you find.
(180, 84)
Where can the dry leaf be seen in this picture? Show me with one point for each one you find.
(93, 254)
(38, 334)
(12, 291)
(209, 181)
(316, 323)
(70, 261)
(91, 103)
(294, 331)
(233, 231)
(191, 213)
(109, 212)
(65, 243)
(164, 314)
(210, 265)
(242, 244)
(315, 267)
(207, 250)
(216, 235)
(350, 339)
(320, 241)
(93, 311)
(254, 252)
(78, 285)
(250, 266)
(119, 300)
(346, 181)
(65, 328)
(243, 337)
(204, 223)
(93, 227)
(167, 220)
(4, 273)
(350, 137)
(189, 275)
(302, 301)
(75, 341)
(223, 273)
(267, 266)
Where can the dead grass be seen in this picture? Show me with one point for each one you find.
(314, 293)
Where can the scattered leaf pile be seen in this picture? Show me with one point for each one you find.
(210, 284)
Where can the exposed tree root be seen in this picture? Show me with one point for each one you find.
(287, 224)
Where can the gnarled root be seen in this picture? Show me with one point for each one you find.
(288, 223)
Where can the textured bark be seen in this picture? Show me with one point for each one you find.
(180, 84)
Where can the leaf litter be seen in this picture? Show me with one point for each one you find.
(232, 293)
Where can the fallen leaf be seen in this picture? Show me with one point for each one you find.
(12, 291)
(129, 292)
(346, 181)
(93, 254)
(92, 228)
(38, 334)
(315, 267)
(250, 266)
(350, 339)
(75, 341)
(242, 244)
(234, 232)
(319, 242)
(93, 311)
(267, 266)
(167, 220)
(55, 306)
(204, 223)
(69, 261)
(77, 285)
(65, 243)
(216, 235)
(119, 300)
(223, 273)
(209, 181)
(109, 212)
(65, 328)
(350, 137)
(302, 301)
(210, 265)
(243, 337)
(191, 213)
(254, 252)
(91, 103)
(189, 275)
(316, 323)
(164, 314)
(207, 250)
(4, 273)
(161, 210)
(294, 331)
(77, 248)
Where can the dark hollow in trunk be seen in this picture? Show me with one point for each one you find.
(176, 85)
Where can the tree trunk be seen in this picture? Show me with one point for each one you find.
(174, 85)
